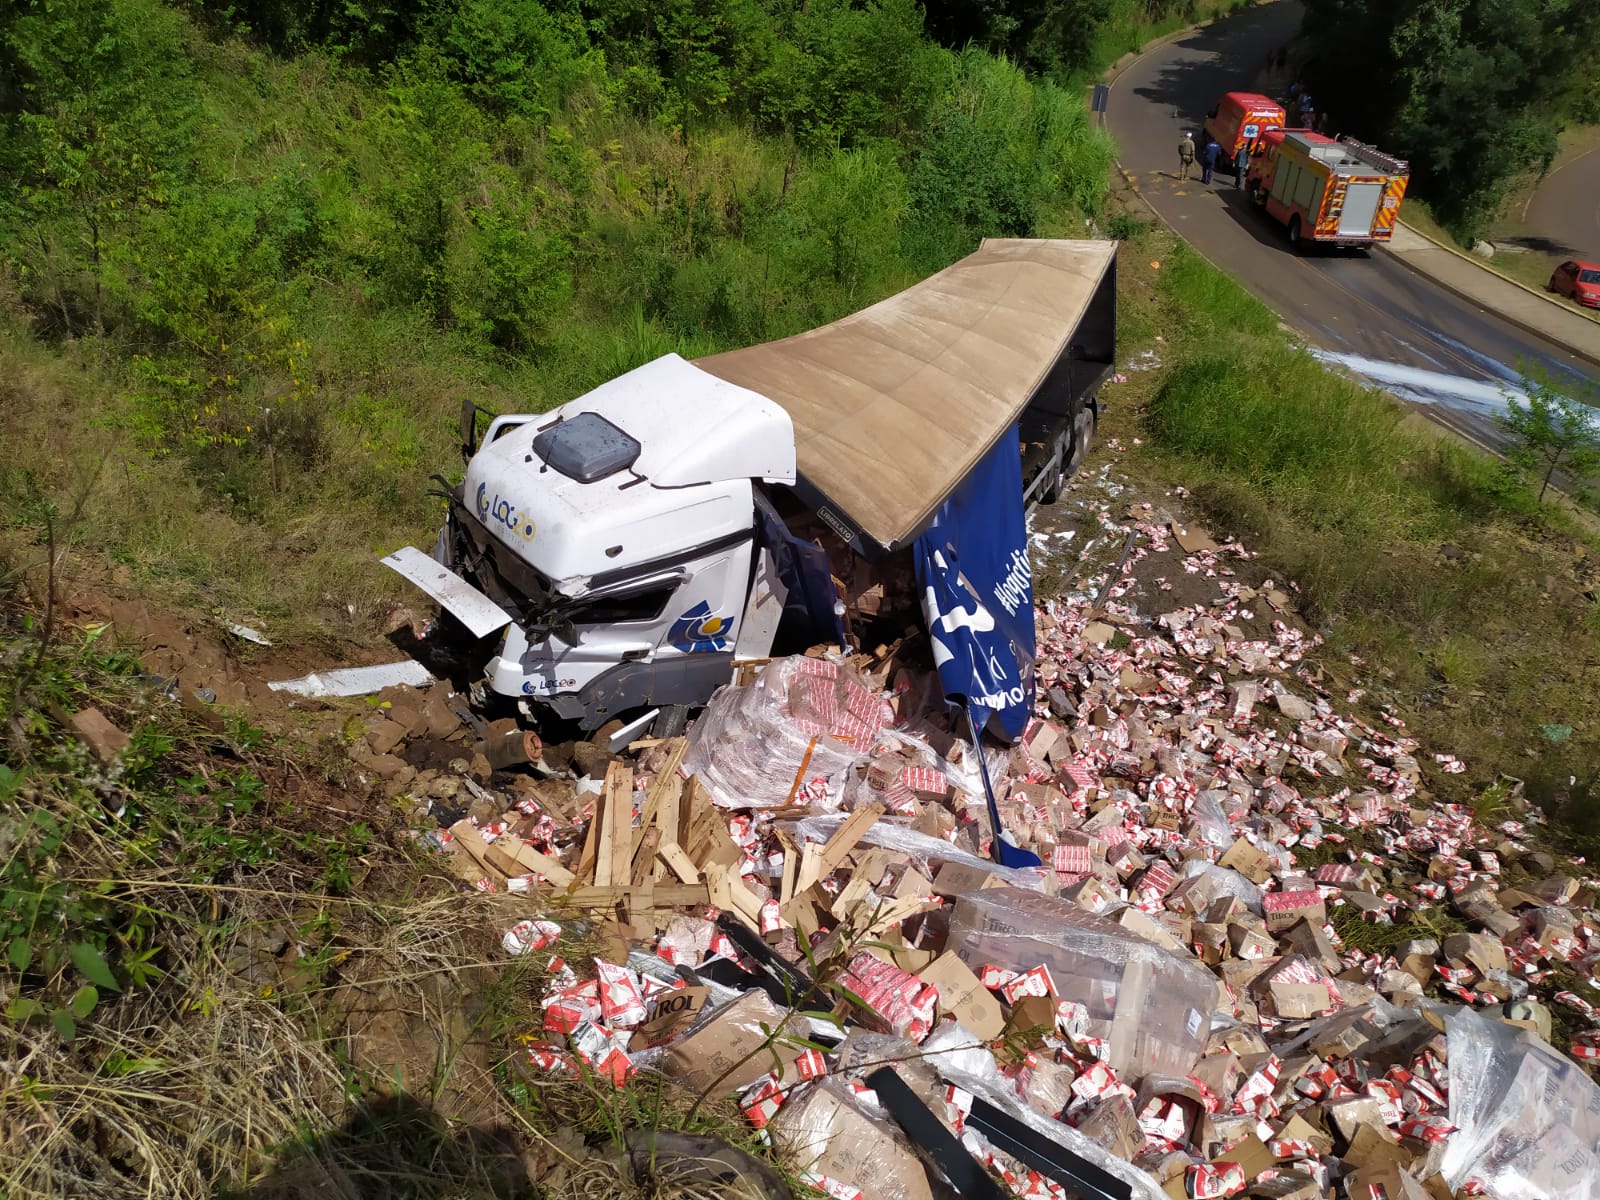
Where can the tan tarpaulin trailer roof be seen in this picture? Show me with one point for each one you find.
(893, 406)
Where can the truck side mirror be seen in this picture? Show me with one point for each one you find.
(469, 429)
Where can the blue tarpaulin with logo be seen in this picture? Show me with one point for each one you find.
(977, 592)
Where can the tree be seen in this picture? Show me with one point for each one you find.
(100, 117)
(1553, 431)
(1472, 92)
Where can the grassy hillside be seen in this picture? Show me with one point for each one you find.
(253, 263)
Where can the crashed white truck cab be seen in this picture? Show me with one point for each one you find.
(628, 547)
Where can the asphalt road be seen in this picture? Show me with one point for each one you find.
(1564, 211)
(1366, 310)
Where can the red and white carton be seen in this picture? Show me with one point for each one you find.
(1035, 981)
(1209, 1181)
(958, 1106)
(603, 1052)
(833, 1187)
(771, 917)
(1073, 860)
(994, 978)
(547, 1059)
(565, 1010)
(1258, 1088)
(621, 999)
(1390, 1106)
(530, 935)
(1427, 1129)
(811, 1064)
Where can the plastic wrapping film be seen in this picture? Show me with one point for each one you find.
(925, 851)
(958, 1057)
(899, 764)
(1209, 821)
(1225, 881)
(1151, 1007)
(1528, 1117)
(787, 737)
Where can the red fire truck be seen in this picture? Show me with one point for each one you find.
(1240, 119)
(1324, 190)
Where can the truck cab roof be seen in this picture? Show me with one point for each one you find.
(1251, 101)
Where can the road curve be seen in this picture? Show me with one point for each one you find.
(1367, 311)
(1564, 211)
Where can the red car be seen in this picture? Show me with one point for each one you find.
(1579, 280)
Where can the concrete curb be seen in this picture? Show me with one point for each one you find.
(1532, 291)
(1589, 354)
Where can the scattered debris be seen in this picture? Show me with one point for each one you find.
(245, 632)
(1260, 957)
(357, 681)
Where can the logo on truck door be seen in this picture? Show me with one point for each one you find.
(699, 631)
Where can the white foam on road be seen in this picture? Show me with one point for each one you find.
(1428, 387)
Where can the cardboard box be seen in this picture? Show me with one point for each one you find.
(728, 1050)
(820, 1128)
(1248, 861)
(1114, 1125)
(961, 996)
(1481, 952)
(672, 1013)
(1284, 910)
(954, 880)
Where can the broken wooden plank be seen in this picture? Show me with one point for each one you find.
(866, 874)
(892, 912)
(466, 837)
(791, 868)
(679, 863)
(667, 785)
(676, 895)
(838, 847)
(644, 857)
(503, 862)
(530, 860)
(591, 841)
(614, 815)
(728, 892)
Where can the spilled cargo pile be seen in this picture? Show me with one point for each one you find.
(1258, 957)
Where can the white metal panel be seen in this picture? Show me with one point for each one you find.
(1361, 202)
(481, 615)
(762, 611)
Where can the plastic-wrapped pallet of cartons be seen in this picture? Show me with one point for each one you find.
(1151, 1007)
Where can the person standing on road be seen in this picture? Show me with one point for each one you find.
(1241, 164)
(1185, 155)
(1208, 159)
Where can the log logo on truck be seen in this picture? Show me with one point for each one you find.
(700, 631)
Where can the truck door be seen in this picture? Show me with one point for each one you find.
(1361, 202)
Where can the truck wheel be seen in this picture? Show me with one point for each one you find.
(1294, 235)
(672, 720)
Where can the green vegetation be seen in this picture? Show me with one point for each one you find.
(1554, 432)
(252, 260)
(1474, 94)
(1472, 608)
